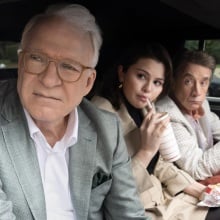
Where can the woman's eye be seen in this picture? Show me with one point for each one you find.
(158, 83)
(141, 76)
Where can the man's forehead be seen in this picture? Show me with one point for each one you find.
(195, 70)
(196, 75)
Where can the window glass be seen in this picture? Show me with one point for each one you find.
(192, 44)
(8, 55)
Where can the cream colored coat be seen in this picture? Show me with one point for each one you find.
(158, 199)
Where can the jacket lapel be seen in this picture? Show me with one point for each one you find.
(128, 123)
(205, 124)
(82, 167)
(23, 156)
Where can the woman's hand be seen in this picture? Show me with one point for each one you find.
(151, 131)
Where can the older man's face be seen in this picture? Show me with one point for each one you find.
(46, 97)
(191, 87)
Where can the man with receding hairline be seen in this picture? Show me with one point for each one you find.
(60, 157)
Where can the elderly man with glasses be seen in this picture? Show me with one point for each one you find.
(60, 157)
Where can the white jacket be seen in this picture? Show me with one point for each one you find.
(198, 163)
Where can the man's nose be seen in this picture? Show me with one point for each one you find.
(196, 89)
(50, 76)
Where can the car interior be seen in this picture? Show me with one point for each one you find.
(176, 24)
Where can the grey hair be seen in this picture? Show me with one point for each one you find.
(198, 57)
(78, 15)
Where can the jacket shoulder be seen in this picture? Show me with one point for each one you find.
(10, 105)
(7, 87)
(164, 104)
(95, 113)
(103, 103)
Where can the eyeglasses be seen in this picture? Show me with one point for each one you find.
(36, 63)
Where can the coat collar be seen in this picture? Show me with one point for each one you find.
(128, 123)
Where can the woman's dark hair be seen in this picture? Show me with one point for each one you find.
(110, 86)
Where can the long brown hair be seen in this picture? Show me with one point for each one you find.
(110, 86)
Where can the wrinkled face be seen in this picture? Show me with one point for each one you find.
(191, 87)
(46, 96)
(143, 80)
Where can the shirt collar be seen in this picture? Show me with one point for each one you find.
(71, 134)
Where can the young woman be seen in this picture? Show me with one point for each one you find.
(143, 75)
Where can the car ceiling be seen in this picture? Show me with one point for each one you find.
(122, 21)
(207, 11)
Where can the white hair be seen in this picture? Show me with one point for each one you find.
(77, 15)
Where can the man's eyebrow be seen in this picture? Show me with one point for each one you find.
(187, 74)
(206, 78)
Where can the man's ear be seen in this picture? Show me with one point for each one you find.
(90, 81)
(20, 62)
(20, 58)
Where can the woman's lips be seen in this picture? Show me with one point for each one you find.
(143, 98)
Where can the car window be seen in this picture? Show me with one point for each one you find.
(8, 55)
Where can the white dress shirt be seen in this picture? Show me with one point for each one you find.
(53, 164)
(201, 138)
